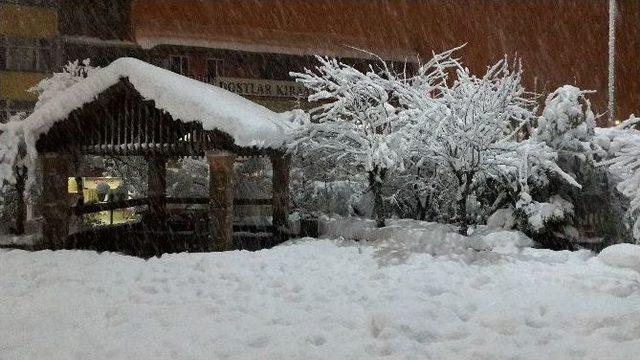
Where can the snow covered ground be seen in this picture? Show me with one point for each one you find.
(325, 299)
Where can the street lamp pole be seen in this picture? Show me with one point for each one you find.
(612, 63)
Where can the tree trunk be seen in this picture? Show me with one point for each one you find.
(465, 183)
(21, 208)
(376, 179)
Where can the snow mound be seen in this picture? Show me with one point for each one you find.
(402, 238)
(188, 100)
(501, 242)
(501, 219)
(621, 256)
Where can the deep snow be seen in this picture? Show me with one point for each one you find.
(319, 299)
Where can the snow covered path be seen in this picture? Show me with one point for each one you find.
(317, 300)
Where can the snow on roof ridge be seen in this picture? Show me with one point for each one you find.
(186, 99)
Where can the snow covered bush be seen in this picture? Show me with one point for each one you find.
(72, 73)
(188, 177)
(624, 163)
(12, 148)
(550, 222)
(471, 138)
(356, 124)
(567, 123)
(13, 175)
(316, 190)
(423, 190)
(447, 145)
(16, 167)
(340, 197)
(364, 125)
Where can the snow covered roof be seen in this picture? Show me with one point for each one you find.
(185, 99)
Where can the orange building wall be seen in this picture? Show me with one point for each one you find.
(559, 41)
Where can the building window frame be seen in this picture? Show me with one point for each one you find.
(213, 69)
(181, 64)
(4, 52)
(26, 54)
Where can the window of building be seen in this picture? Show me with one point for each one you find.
(3, 54)
(179, 64)
(25, 54)
(214, 70)
(162, 62)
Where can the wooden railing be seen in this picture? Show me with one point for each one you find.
(123, 204)
(111, 205)
(205, 201)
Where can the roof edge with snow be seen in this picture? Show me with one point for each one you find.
(187, 100)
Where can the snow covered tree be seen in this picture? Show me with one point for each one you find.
(625, 163)
(356, 124)
(456, 146)
(12, 136)
(422, 190)
(316, 191)
(13, 173)
(567, 123)
(472, 137)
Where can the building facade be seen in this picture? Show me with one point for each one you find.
(249, 47)
(558, 41)
(29, 48)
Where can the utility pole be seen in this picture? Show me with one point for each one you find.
(611, 105)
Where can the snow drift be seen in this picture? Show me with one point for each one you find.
(625, 256)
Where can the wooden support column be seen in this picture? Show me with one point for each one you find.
(280, 201)
(157, 184)
(221, 199)
(56, 201)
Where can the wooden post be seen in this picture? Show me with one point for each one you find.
(280, 200)
(56, 207)
(157, 183)
(221, 199)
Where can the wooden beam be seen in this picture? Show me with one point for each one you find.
(56, 212)
(204, 201)
(112, 205)
(280, 209)
(221, 199)
(157, 183)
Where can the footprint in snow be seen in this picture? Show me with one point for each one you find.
(259, 342)
(317, 340)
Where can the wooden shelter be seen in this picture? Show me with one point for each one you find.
(119, 121)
